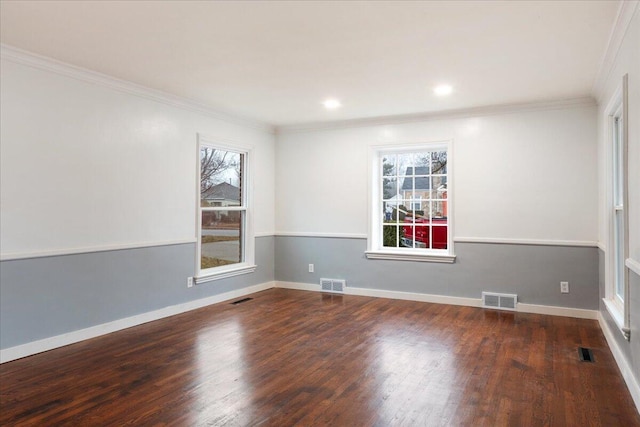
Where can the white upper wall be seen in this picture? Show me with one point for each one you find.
(627, 61)
(85, 166)
(520, 175)
(276, 61)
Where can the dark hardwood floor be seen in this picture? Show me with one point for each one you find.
(302, 358)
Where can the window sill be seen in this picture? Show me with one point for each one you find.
(617, 315)
(236, 270)
(411, 256)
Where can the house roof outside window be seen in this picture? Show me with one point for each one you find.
(222, 191)
(422, 182)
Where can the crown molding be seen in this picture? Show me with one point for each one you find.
(625, 14)
(45, 63)
(490, 110)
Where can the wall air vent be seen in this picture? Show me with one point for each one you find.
(499, 301)
(333, 285)
(586, 354)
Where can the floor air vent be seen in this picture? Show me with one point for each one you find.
(586, 355)
(333, 285)
(499, 301)
(240, 301)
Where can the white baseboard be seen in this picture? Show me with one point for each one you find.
(299, 286)
(412, 296)
(444, 299)
(579, 313)
(623, 363)
(378, 293)
(50, 343)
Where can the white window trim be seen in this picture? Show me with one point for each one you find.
(249, 265)
(617, 308)
(374, 249)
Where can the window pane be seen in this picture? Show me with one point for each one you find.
(439, 162)
(221, 237)
(438, 209)
(390, 189)
(439, 185)
(619, 253)
(618, 181)
(403, 209)
(389, 165)
(408, 210)
(405, 164)
(439, 234)
(390, 236)
(220, 177)
(421, 162)
(407, 188)
(391, 213)
(422, 186)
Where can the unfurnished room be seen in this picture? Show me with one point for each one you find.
(320, 213)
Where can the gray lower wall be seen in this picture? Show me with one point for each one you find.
(49, 296)
(630, 349)
(533, 272)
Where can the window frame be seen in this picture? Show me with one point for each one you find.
(617, 300)
(246, 205)
(375, 248)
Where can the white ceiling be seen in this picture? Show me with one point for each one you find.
(275, 62)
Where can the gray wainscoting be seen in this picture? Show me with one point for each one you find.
(533, 272)
(49, 296)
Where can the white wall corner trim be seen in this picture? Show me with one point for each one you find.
(62, 340)
(602, 247)
(30, 59)
(264, 234)
(633, 265)
(322, 235)
(539, 242)
(623, 19)
(623, 364)
(106, 248)
(489, 110)
(580, 243)
(444, 299)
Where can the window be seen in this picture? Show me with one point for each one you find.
(618, 209)
(225, 240)
(617, 288)
(411, 203)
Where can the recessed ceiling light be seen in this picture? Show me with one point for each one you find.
(443, 90)
(331, 104)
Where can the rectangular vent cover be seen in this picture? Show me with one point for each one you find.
(333, 285)
(240, 301)
(499, 301)
(586, 355)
